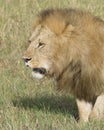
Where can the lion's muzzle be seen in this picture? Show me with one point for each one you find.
(37, 72)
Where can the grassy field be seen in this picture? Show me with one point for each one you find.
(26, 103)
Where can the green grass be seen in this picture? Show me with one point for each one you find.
(26, 103)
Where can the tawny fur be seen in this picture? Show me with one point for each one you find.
(78, 61)
(83, 69)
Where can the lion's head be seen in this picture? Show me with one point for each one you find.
(46, 53)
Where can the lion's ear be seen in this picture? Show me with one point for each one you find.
(69, 28)
(56, 25)
(61, 27)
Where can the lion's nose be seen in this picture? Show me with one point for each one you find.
(26, 59)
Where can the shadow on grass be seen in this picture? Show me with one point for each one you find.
(51, 103)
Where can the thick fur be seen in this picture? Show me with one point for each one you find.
(78, 63)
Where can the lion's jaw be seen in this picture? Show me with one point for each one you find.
(38, 75)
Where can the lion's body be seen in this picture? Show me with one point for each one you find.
(75, 53)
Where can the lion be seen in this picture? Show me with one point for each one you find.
(68, 45)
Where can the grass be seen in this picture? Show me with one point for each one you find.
(26, 103)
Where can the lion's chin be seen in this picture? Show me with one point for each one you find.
(37, 75)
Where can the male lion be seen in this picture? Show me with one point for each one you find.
(68, 44)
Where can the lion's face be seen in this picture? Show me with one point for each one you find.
(42, 52)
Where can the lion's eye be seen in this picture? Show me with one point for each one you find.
(40, 44)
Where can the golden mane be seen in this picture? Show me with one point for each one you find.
(58, 19)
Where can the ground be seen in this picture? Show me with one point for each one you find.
(26, 103)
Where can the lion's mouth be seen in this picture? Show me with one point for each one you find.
(40, 70)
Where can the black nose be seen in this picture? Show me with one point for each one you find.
(27, 59)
